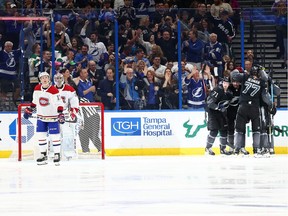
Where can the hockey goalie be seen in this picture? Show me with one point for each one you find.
(69, 130)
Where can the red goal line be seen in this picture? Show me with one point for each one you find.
(25, 18)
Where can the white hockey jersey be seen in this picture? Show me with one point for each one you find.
(95, 49)
(69, 98)
(48, 102)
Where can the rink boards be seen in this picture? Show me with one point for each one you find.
(147, 133)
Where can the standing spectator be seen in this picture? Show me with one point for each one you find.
(213, 54)
(193, 48)
(158, 68)
(206, 27)
(66, 28)
(218, 6)
(146, 27)
(196, 90)
(68, 78)
(141, 69)
(201, 13)
(140, 56)
(75, 45)
(128, 82)
(169, 91)
(34, 62)
(83, 58)
(224, 30)
(85, 88)
(62, 40)
(105, 28)
(96, 49)
(95, 75)
(69, 57)
(106, 10)
(107, 90)
(151, 91)
(126, 11)
(248, 66)
(8, 71)
(12, 27)
(168, 45)
(157, 51)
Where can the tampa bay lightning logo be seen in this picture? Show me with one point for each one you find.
(197, 92)
(234, 101)
(10, 62)
(223, 103)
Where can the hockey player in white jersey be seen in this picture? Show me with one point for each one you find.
(71, 108)
(47, 100)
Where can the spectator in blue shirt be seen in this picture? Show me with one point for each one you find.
(193, 49)
(85, 88)
(83, 58)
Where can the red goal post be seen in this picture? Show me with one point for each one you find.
(91, 115)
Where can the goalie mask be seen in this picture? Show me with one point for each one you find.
(58, 80)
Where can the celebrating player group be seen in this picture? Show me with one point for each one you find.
(242, 97)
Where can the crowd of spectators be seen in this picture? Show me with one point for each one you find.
(148, 56)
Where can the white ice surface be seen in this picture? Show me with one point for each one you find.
(142, 186)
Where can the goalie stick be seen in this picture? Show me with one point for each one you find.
(68, 120)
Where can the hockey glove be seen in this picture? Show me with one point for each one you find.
(222, 108)
(61, 118)
(28, 112)
(273, 110)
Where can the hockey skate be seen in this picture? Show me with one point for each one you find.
(42, 160)
(223, 151)
(271, 151)
(266, 153)
(56, 159)
(259, 153)
(209, 151)
(242, 150)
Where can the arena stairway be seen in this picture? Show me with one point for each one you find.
(260, 36)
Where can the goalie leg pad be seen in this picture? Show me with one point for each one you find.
(68, 138)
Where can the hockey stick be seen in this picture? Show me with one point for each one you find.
(271, 117)
(68, 120)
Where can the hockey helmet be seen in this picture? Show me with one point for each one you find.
(58, 79)
(254, 71)
(41, 74)
(226, 79)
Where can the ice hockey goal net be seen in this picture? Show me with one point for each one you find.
(89, 138)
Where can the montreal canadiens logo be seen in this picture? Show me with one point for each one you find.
(43, 101)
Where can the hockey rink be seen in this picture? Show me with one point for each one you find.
(140, 186)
